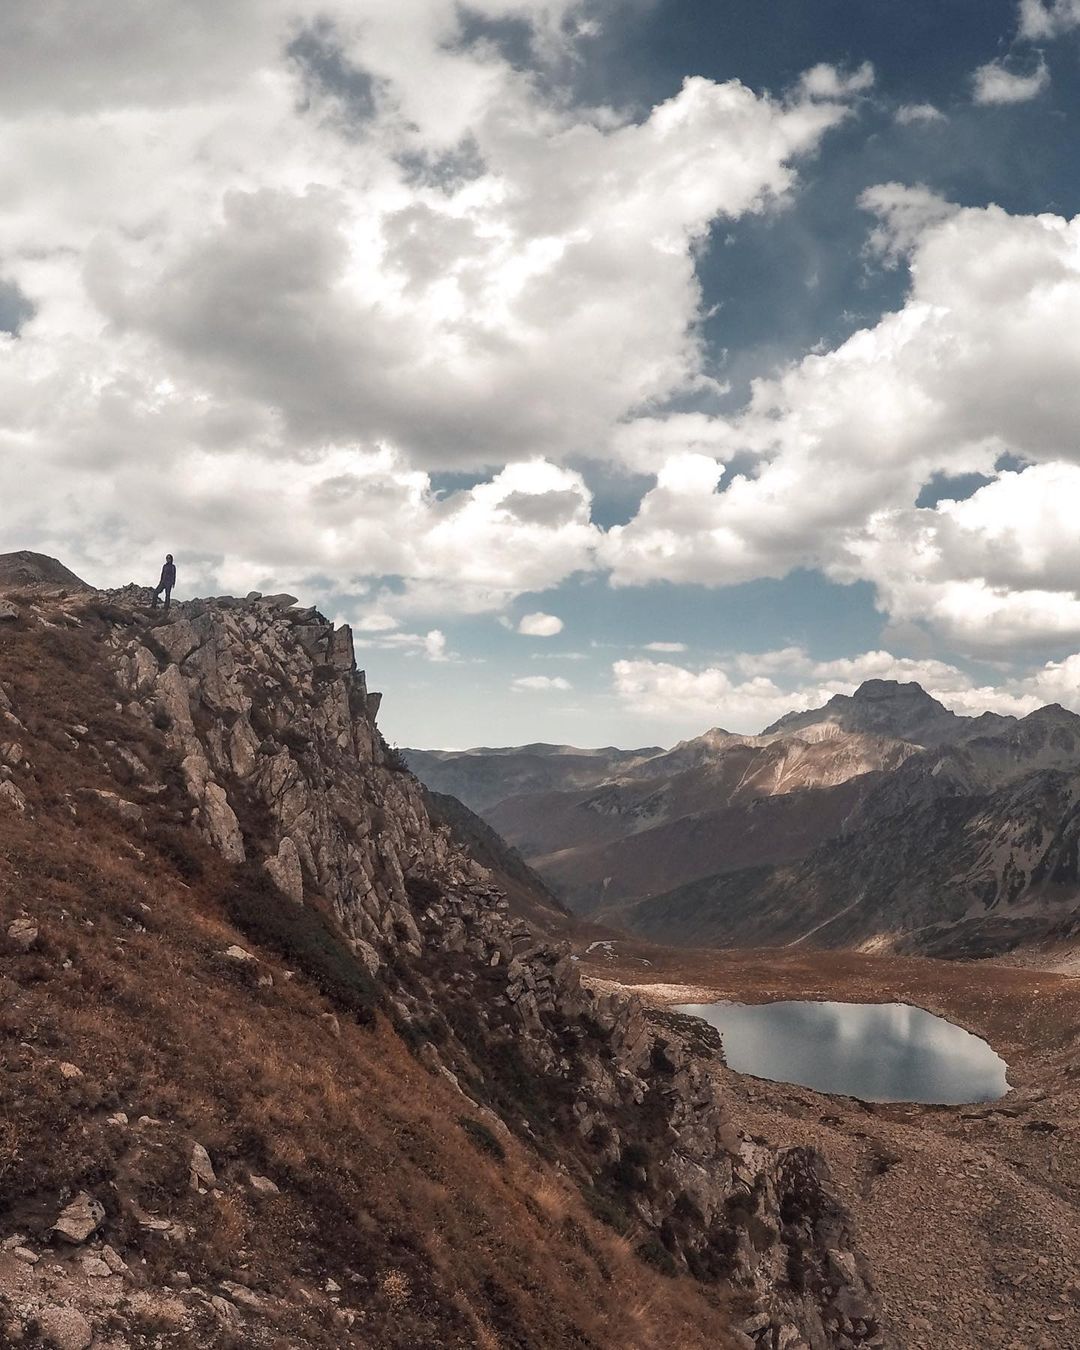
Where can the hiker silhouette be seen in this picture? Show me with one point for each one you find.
(167, 581)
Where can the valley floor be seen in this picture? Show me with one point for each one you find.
(970, 1215)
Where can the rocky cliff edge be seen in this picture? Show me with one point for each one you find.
(269, 736)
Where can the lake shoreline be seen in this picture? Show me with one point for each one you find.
(970, 1214)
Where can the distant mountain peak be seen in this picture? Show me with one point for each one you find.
(875, 691)
(903, 710)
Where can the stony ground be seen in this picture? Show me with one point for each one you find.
(970, 1215)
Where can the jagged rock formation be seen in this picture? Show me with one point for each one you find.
(272, 732)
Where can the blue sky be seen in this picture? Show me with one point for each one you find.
(618, 368)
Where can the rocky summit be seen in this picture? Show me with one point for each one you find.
(284, 1066)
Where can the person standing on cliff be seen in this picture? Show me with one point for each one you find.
(167, 581)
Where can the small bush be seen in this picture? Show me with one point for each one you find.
(422, 891)
(394, 760)
(608, 1211)
(656, 1254)
(482, 1137)
(304, 938)
(175, 846)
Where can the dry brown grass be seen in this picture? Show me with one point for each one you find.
(433, 1241)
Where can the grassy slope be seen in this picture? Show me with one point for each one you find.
(434, 1238)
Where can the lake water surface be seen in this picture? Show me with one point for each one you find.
(880, 1052)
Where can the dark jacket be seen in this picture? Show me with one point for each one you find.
(168, 576)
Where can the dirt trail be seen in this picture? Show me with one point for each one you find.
(970, 1215)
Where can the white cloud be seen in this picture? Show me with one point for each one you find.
(539, 683)
(994, 571)
(994, 83)
(979, 363)
(913, 114)
(904, 215)
(1048, 18)
(825, 81)
(432, 646)
(665, 646)
(540, 625)
(748, 691)
(274, 243)
(376, 623)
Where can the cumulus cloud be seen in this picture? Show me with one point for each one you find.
(826, 81)
(540, 625)
(280, 261)
(995, 83)
(915, 114)
(539, 683)
(432, 646)
(979, 364)
(996, 570)
(1048, 18)
(904, 214)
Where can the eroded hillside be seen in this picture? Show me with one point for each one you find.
(280, 1066)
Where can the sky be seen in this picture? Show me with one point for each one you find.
(617, 368)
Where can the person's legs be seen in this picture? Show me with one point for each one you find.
(168, 596)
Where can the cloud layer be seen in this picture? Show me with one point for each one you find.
(748, 691)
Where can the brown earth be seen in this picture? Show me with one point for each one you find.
(970, 1215)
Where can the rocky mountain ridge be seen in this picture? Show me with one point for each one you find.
(881, 819)
(606, 831)
(968, 848)
(244, 726)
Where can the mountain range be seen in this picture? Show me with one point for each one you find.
(881, 820)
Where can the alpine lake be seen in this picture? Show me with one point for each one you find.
(877, 1052)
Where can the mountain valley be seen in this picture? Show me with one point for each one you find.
(881, 820)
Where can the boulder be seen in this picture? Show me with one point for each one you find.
(202, 1169)
(240, 954)
(221, 824)
(79, 1219)
(178, 639)
(65, 1329)
(262, 1185)
(23, 933)
(286, 872)
(119, 806)
(114, 1260)
(12, 798)
(8, 611)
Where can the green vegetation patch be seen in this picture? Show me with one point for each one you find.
(305, 938)
(484, 1139)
